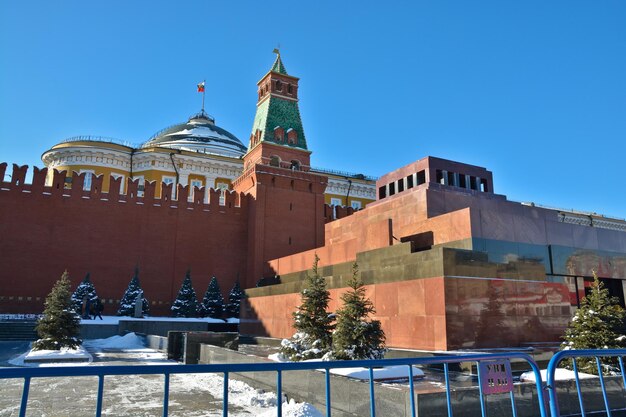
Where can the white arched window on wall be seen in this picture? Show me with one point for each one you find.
(223, 187)
(169, 180)
(192, 185)
(88, 178)
(141, 185)
(121, 177)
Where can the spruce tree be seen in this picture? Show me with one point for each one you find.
(597, 324)
(234, 301)
(127, 304)
(60, 325)
(84, 289)
(213, 302)
(356, 336)
(313, 324)
(186, 303)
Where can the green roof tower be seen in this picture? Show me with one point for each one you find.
(277, 122)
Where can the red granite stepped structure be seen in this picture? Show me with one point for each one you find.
(450, 264)
(447, 262)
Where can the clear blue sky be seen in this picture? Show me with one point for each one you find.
(533, 90)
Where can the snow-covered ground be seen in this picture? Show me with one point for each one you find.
(197, 395)
(116, 320)
(380, 374)
(561, 375)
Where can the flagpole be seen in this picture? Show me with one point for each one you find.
(203, 90)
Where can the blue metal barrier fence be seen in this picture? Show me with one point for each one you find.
(491, 378)
(574, 354)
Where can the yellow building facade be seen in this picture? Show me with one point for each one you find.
(196, 153)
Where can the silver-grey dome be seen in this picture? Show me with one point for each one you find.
(199, 134)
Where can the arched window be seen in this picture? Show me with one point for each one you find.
(274, 161)
(279, 85)
(295, 165)
(289, 89)
(292, 136)
(279, 134)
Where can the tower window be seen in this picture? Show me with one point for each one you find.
(462, 182)
(295, 165)
(274, 161)
(421, 177)
(279, 85)
(289, 89)
(292, 136)
(279, 134)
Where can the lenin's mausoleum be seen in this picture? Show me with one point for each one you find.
(447, 261)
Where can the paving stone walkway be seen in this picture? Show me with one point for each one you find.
(134, 395)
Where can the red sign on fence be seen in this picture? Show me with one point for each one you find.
(495, 376)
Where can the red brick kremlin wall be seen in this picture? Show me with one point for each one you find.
(45, 230)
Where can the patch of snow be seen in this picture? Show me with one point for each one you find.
(388, 372)
(277, 357)
(116, 320)
(560, 375)
(63, 357)
(126, 342)
(294, 409)
(63, 353)
(148, 394)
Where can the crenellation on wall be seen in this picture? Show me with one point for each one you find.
(214, 203)
(39, 179)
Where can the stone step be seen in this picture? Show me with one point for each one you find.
(18, 330)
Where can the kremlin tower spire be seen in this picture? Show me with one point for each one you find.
(277, 128)
(286, 199)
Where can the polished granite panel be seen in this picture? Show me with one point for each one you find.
(572, 261)
(385, 299)
(609, 240)
(560, 233)
(585, 237)
(497, 225)
(530, 229)
(483, 313)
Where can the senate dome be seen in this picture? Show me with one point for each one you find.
(198, 134)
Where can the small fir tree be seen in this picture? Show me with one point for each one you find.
(234, 301)
(597, 324)
(213, 302)
(313, 323)
(356, 336)
(60, 325)
(186, 303)
(84, 289)
(127, 304)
